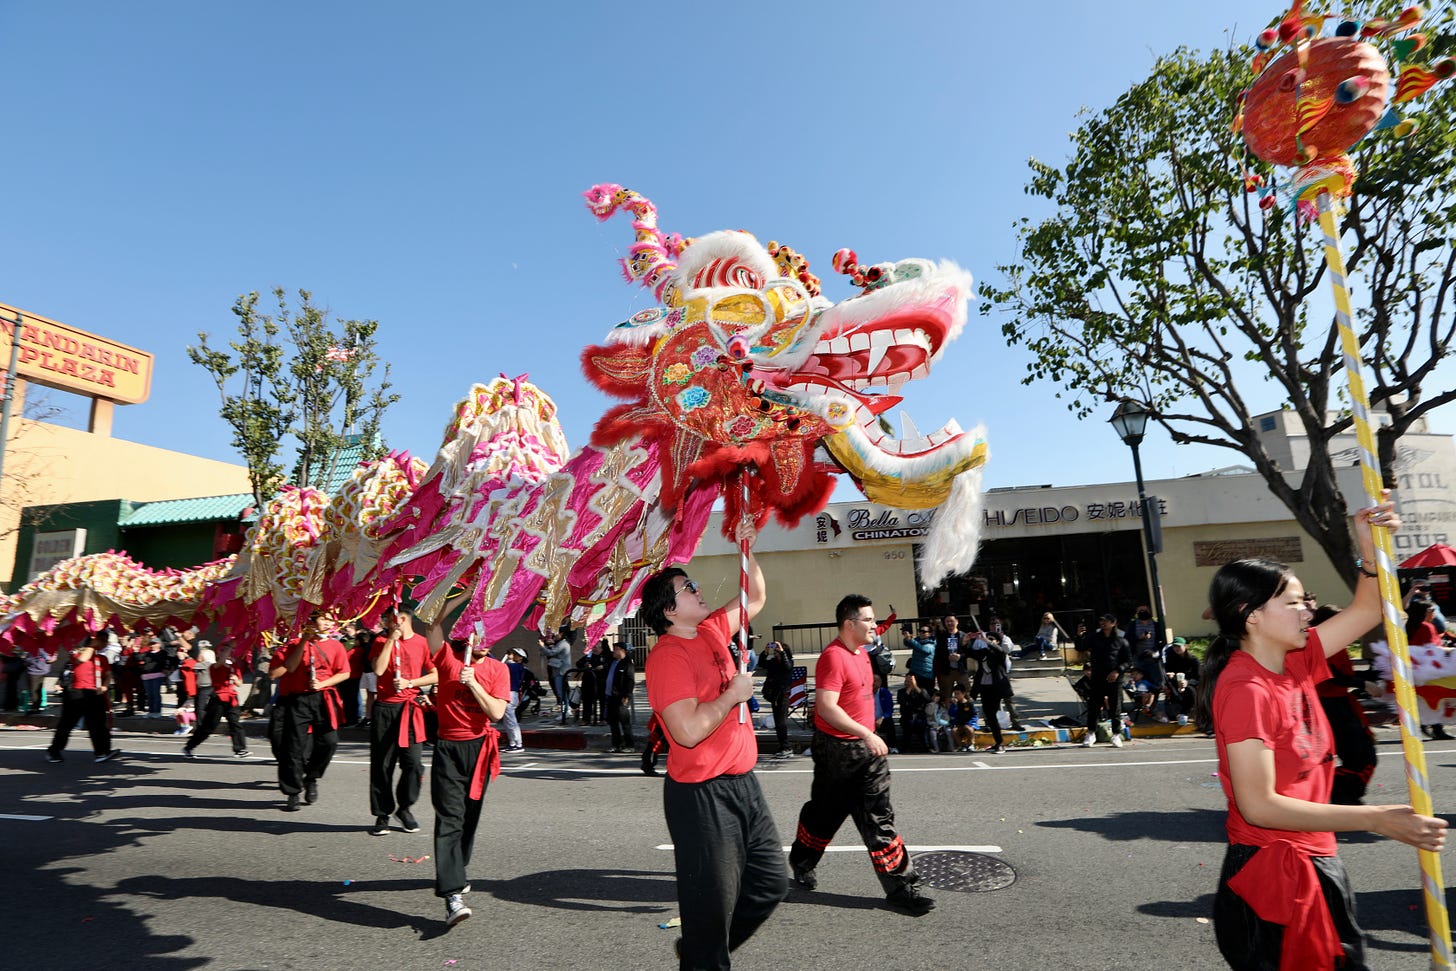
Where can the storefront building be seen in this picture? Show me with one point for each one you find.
(1078, 550)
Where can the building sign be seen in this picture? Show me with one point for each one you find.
(1049, 515)
(53, 548)
(1285, 549)
(60, 356)
(870, 524)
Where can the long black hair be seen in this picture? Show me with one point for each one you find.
(1238, 589)
(1416, 614)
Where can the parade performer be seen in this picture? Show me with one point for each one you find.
(86, 697)
(1313, 99)
(401, 662)
(474, 689)
(730, 870)
(1283, 897)
(227, 677)
(852, 765)
(306, 672)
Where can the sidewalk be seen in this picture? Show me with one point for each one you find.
(1039, 699)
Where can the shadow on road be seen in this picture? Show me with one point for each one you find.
(86, 926)
(622, 891)
(1189, 826)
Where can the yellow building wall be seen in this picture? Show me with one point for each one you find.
(1185, 584)
(805, 585)
(49, 464)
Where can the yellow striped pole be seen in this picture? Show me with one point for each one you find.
(1432, 885)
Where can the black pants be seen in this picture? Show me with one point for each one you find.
(349, 694)
(991, 710)
(780, 705)
(1105, 701)
(307, 741)
(385, 753)
(456, 814)
(619, 719)
(216, 710)
(849, 782)
(77, 703)
(730, 867)
(1354, 745)
(1250, 944)
(590, 711)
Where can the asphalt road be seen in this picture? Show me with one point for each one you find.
(161, 863)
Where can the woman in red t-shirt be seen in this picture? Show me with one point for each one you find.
(1283, 897)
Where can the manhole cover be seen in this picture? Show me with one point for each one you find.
(964, 872)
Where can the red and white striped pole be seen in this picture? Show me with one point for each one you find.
(743, 645)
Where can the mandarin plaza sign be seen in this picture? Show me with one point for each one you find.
(60, 356)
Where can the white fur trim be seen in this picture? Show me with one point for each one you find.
(955, 536)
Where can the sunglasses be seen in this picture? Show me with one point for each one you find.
(691, 586)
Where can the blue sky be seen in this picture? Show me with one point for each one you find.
(423, 164)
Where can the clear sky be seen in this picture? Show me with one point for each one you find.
(423, 164)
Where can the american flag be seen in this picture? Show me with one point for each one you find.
(339, 354)
(799, 686)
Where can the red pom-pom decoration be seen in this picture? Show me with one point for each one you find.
(843, 260)
(1267, 202)
(1289, 28)
(1266, 39)
(738, 347)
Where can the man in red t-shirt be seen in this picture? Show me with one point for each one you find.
(86, 697)
(730, 870)
(474, 691)
(227, 676)
(401, 662)
(852, 765)
(306, 672)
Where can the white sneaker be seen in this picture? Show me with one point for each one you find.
(1088, 740)
(455, 910)
(1116, 740)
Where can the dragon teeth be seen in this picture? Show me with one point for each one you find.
(877, 354)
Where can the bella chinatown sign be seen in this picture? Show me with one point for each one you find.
(63, 357)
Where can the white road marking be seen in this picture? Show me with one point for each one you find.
(25, 819)
(1007, 766)
(912, 849)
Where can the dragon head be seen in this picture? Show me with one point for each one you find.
(745, 361)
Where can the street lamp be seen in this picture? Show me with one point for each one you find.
(1130, 420)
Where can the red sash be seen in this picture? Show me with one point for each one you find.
(1280, 883)
(411, 724)
(486, 764)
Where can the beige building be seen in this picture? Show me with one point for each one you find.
(49, 465)
(1077, 550)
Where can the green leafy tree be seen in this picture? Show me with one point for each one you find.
(293, 373)
(1158, 276)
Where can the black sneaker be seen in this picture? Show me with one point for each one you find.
(310, 792)
(188, 753)
(108, 756)
(909, 900)
(53, 757)
(805, 877)
(380, 827)
(292, 805)
(242, 755)
(455, 910)
(407, 821)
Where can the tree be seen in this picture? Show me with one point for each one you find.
(1158, 276)
(317, 389)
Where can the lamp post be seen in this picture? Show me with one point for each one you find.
(1130, 420)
